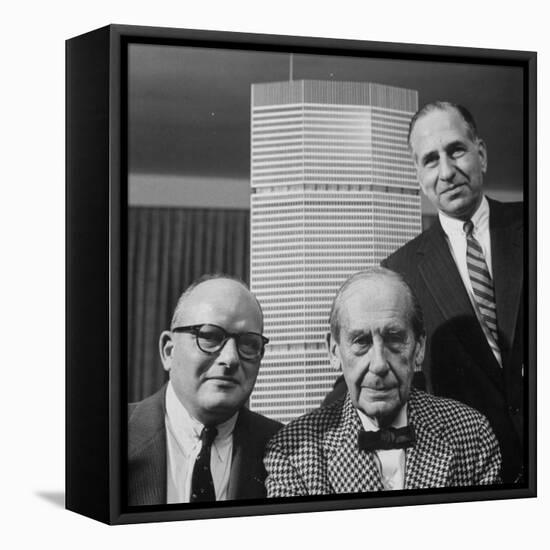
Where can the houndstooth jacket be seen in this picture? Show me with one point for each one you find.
(317, 453)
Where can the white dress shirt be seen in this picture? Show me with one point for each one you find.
(391, 463)
(456, 238)
(183, 444)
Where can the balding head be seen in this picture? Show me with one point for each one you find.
(466, 116)
(218, 282)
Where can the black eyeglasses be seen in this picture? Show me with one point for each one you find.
(211, 339)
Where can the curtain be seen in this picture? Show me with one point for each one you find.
(168, 248)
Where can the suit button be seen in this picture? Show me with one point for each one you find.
(513, 410)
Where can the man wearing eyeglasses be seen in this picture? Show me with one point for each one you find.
(194, 440)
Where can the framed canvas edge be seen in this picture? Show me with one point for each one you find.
(119, 37)
(117, 294)
(87, 397)
(321, 504)
(214, 38)
(530, 154)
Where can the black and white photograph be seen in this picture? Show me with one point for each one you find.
(325, 274)
(275, 275)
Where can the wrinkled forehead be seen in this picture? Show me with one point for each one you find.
(441, 119)
(438, 126)
(378, 300)
(221, 302)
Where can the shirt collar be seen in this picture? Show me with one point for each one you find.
(187, 429)
(480, 219)
(400, 421)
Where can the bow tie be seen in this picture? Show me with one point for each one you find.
(386, 438)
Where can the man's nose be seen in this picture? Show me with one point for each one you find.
(229, 354)
(378, 362)
(447, 168)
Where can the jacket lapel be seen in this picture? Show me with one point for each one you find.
(246, 477)
(428, 463)
(147, 451)
(349, 469)
(443, 281)
(507, 259)
(441, 277)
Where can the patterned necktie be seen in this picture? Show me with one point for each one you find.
(482, 284)
(386, 439)
(202, 484)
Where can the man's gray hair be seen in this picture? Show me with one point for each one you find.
(444, 106)
(416, 317)
(204, 279)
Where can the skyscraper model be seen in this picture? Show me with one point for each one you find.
(333, 191)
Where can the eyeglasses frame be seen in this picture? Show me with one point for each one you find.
(195, 329)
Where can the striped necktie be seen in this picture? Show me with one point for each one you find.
(482, 284)
(202, 484)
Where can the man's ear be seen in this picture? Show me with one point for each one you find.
(482, 152)
(420, 350)
(166, 349)
(334, 352)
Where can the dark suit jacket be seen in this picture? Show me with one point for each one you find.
(147, 452)
(459, 362)
(317, 454)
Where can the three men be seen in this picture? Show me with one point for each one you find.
(194, 440)
(467, 271)
(384, 434)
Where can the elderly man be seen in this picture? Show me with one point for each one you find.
(467, 271)
(383, 434)
(194, 440)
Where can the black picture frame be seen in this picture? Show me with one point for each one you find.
(96, 218)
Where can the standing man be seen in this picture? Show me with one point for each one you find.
(194, 440)
(467, 271)
(384, 434)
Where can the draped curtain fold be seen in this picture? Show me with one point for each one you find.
(168, 248)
